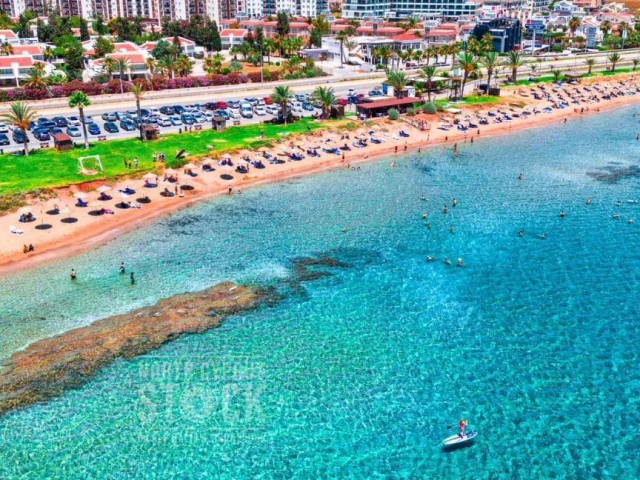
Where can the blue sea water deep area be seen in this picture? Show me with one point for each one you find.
(362, 373)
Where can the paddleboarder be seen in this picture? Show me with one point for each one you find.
(462, 424)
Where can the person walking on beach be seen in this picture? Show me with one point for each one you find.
(133, 280)
(72, 274)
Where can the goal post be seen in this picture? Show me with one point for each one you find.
(90, 165)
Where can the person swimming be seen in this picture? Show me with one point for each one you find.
(445, 210)
(447, 261)
(121, 269)
(459, 263)
(452, 229)
(428, 225)
(424, 215)
(562, 214)
(132, 278)
(616, 215)
(521, 233)
(520, 176)
(431, 259)
(454, 203)
(72, 274)
(588, 201)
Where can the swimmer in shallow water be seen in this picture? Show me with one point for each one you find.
(424, 216)
(616, 215)
(447, 261)
(588, 202)
(445, 209)
(521, 233)
(431, 259)
(452, 229)
(454, 203)
(459, 263)
(562, 214)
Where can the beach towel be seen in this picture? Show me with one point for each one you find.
(15, 230)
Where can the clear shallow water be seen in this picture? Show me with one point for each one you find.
(358, 375)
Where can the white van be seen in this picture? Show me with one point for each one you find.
(246, 110)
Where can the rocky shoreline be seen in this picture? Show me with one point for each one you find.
(48, 367)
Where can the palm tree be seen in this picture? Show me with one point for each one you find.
(326, 97)
(109, 66)
(292, 64)
(138, 93)
(6, 49)
(428, 73)
(467, 62)
(184, 66)
(489, 61)
(514, 61)
(152, 65)
(385, 53)
(20, 115)
(605, 27)
(80, 100)
(167, 66)
(590, 62)
(574, 24)
(280, 96)
(398, 80)
(557, 74)
(614, 58)
(36, 78)
(122, 65)
(268, 47)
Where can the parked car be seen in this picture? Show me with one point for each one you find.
(154, 111)
(179, 109)
(267, 101)
(223, 114)
(187, 119)
(55, 131)
(235, 114)
(121, 115)
(164, 122)
(42, 134)
(111, 127)
(273, 109)
(221, 106)
(73, 120)
(307, 106)
(94, 129)
(375, 93)
(107, 117)
(127, 125)
(4, 128)
(175, 121)
(260, 110)
(19, 136)
(88, 119)
(167, 110)
(246, 110)
(252, 101)
(73, 131)
(45, 123)
(4, 140)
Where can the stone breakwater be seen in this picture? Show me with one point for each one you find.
(48, 367)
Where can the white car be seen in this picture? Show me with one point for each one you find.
(235, 114)
(164, 122)
(273, 109)
(259, 110)
(154, 111)
(208, 116)
(3, 128)
(297, 108)
(73, 121)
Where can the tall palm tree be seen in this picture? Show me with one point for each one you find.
(167, 66)
(20, 115)
(80, 100)
(614, 58)
(122, 65)
(292, 64)
(280, 96)
(109, 66)
(605, 27)
(489, 61)
(326, 97)
(398, 80)
(138, 93)
(428, 73)
(514, 61)
(590, 62)
(152, 66)
(466, 61)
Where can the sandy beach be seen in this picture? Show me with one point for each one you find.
(521, 108)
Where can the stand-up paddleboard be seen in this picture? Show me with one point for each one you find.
(457, 441)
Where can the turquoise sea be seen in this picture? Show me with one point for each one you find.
(359, 374)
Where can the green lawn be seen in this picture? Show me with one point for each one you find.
(480, 99)
(49, 168)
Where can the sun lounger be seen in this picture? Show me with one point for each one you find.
(15, 230)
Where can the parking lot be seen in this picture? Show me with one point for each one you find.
(170, 118)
